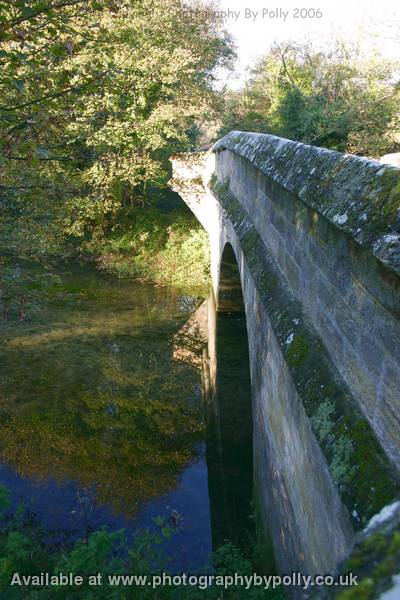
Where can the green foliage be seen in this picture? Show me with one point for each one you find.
(95, 96)
(107, 553)
(20, 545)
(375, 559)
(4, 500)
(339, 99)
(228, 559)
(160, 247)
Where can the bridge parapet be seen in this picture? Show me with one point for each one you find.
(357, 195)
(332, 224)
(316, 237)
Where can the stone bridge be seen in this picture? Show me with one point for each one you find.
(307, 240)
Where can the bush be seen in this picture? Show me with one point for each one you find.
(163, 248)
(23, 550)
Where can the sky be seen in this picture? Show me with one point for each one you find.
(257, 24)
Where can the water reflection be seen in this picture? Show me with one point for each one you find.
(102, 415)
(92, 401)
(229, 431)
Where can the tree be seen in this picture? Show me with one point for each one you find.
(94, 97)
(339, 99)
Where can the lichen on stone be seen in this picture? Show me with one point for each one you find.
(357, 195)
(353, 455)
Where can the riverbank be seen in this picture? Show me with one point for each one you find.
(103, 443)
(100, 566)
(160, 246)
(155, 246)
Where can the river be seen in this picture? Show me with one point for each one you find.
(104, 420)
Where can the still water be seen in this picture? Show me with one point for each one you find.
(104, 424)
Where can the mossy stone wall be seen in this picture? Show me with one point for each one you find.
(332, 225)
(322, 308)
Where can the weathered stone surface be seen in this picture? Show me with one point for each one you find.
(300, 191)
(374, 560)
(299, 502)
(322, 308)
(358, 195)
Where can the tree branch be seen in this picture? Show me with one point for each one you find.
(49, 96)
(22, 19)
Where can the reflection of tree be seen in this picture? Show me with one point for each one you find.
(95, 396)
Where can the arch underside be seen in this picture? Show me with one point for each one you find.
(230, 296)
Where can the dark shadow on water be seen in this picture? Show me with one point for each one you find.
(229, 439)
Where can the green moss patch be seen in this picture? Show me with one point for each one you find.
(357, 463)
(357, 195)
(374, 560)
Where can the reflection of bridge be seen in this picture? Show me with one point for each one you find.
(311, 239)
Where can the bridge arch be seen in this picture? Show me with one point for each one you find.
(289, 214)
(230, 294)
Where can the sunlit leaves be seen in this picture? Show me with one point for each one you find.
(94, 96)
(340, 99)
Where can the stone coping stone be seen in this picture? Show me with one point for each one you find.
(358, 195)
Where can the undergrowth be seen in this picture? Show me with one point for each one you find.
(23, 551)
(168, 248)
